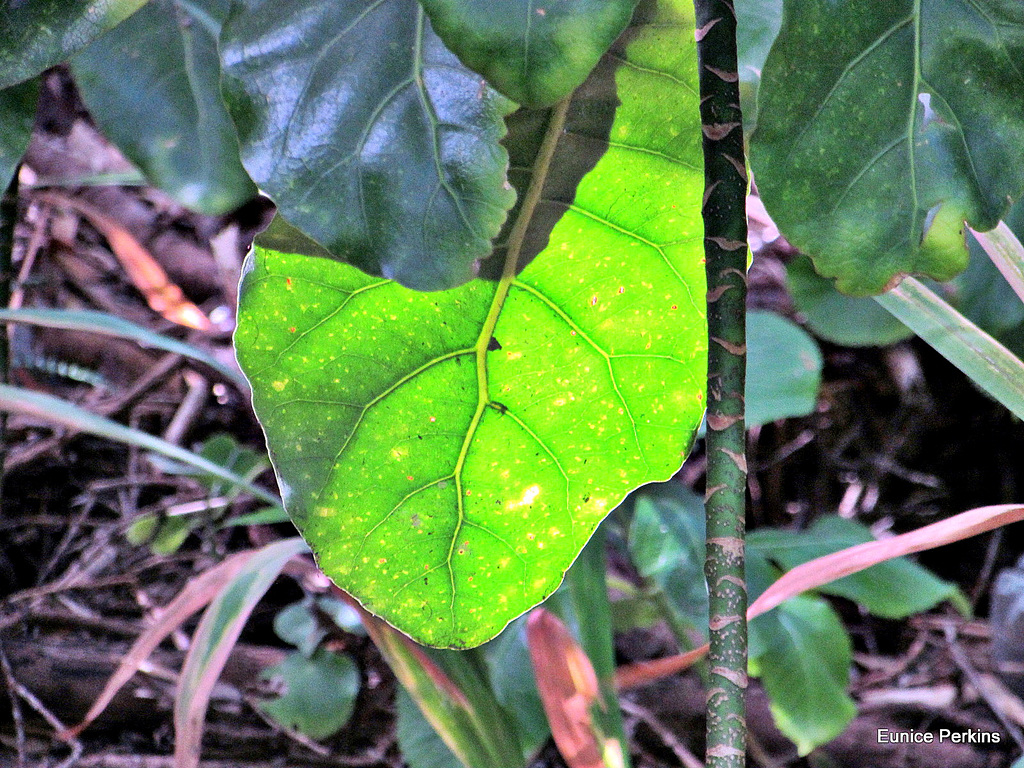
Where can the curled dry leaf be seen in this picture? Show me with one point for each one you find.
(823, 570)
(162, 295)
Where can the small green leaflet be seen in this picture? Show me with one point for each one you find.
(447, 455)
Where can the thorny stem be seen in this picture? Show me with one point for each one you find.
(725, 244)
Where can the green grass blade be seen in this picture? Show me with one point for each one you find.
(1006, 252)
(65, 414)
(988, 363)
(110, 325)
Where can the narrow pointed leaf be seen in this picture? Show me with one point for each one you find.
(448, 455)
(215, 637)
(40, 33)
(532, 51)
(882, 127)
(153, 86)
(17, 114)
(369, 135)
(988, 363)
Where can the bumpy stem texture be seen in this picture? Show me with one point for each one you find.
(725, 236)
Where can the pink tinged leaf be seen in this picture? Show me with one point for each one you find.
(568, 689)
(215, 637)
(200, 591)
(829, 568)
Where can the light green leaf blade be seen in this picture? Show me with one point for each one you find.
(58, 411)
(533, 53)
(17, 114)
(153, 87)
(448, 455)
(391, 161)
(319, 692)
(107, 324)
(805, 668)
(988, 363)
(882, 127)
(894, 589)
(40, 33)
(783, 369)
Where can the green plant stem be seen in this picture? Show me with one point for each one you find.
(8, 218)
(725, 244)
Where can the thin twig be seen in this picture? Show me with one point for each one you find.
(30, 698)
(974, 676)
(16, 715)
(684, 755)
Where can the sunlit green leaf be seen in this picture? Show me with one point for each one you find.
(883, 126)
(805, 668)
(153, 86)
(17, 114)
(534, 52)
(369, 134)
(40, 33)
(447, 455)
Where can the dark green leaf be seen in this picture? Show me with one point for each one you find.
(319, 692)
(666, 544)
(369, 135)
(448, 455)
(534, 52)
(153, 86)
(40, 33)
(757, 25)
(805, 668)
(17, 114)
(783, 369)
(894, 589)
(883, 126)
(853, 321)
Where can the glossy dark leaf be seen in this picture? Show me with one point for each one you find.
(40, 33)
(153, 87)
(369, 135)
(882, 127)
(534, 51)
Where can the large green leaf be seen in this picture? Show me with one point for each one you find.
(805, 668)
(535, 53)
(40, 33)
(883, 126)
(153, 86)
(448, 455)
(17, 114)
(369, 134)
